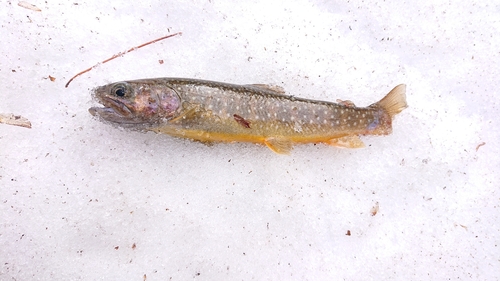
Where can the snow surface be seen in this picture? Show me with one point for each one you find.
(82, 200)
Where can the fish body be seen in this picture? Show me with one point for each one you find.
(210, 111)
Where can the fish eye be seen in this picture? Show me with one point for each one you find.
(119, 90)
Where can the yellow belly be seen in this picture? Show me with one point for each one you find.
(277, 143)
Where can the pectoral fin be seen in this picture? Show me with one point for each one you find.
(279, 145)
(347, 142)
(189, 112)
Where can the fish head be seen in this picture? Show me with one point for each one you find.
(135, 104)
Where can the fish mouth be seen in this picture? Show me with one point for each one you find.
(114, 111)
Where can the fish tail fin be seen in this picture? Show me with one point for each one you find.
(395, 101)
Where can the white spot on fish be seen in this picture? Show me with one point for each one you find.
(297, 127)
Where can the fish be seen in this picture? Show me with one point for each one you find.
(209, 111)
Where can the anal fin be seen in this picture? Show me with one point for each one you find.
(347, 142)
(279, 145)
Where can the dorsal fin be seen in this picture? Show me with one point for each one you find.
(273, 88)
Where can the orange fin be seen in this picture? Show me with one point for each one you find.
(347, 142)
(279, 145)
(395, 101)
(273, 88)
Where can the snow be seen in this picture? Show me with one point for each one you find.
(82, 200)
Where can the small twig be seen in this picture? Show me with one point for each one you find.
(121, 54)
(479, 145)
(29, 6)
(16, 120)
